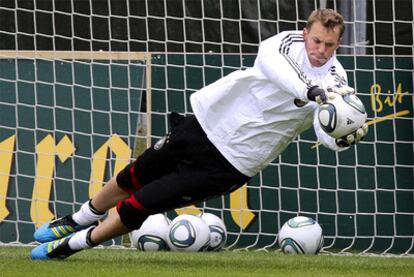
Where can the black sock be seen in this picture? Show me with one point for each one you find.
(88, 238)
(93, 209)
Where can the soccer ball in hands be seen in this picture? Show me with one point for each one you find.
(152, 235)
(342, 115)
(300, 235)
(218, 231)
(188, 233)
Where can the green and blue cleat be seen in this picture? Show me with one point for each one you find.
(57, 229)
(57, 249)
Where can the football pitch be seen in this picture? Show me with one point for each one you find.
(15, 261)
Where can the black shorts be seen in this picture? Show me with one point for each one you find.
(182, 168)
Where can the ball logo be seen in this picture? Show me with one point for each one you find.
(183, 234)
(151, 242)
(217, 238)
(354, 102)
(218, 231)
(349, 121)
(327, 117)
(289, 246)
(298, 222)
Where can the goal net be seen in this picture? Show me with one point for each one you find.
(85, 86)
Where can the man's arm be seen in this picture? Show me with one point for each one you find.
(275, 63)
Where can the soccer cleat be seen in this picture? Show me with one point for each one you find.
(57, 249)
(57, 229)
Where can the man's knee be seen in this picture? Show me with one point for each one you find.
(132, 213)
(127, 179)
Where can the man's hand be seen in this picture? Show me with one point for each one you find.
(354, 137)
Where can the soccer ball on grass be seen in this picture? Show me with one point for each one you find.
(342, 115)
(152, 235)
(300, 235)
(188, 233)
(218, 231)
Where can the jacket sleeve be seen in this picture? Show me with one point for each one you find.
(278, 66)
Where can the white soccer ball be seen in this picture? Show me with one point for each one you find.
(300, 235)
(342, 115)
(218, 231)
(188, 233)
(152, 235)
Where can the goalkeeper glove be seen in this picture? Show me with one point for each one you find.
(343, 90)
(321, 96)
(354, 137)
(317, 94)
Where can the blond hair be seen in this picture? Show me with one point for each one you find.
(329, 19)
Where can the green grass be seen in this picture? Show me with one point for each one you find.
(15, 261)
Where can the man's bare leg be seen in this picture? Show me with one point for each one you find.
(110, 228)
(90, 212)
(74, 228)
(108, 196)
(106, 199)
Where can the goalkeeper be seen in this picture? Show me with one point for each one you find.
(241, 123)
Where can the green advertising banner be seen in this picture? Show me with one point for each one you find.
(68, 124)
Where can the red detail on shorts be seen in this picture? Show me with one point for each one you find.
(134, 203)
(134, 179)
(136, 185)
(118, 207)
(131, 201)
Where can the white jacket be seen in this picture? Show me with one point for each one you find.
(250, 115)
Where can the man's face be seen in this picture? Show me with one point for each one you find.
(320, 43)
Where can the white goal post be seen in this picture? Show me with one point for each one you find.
(84, 88)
